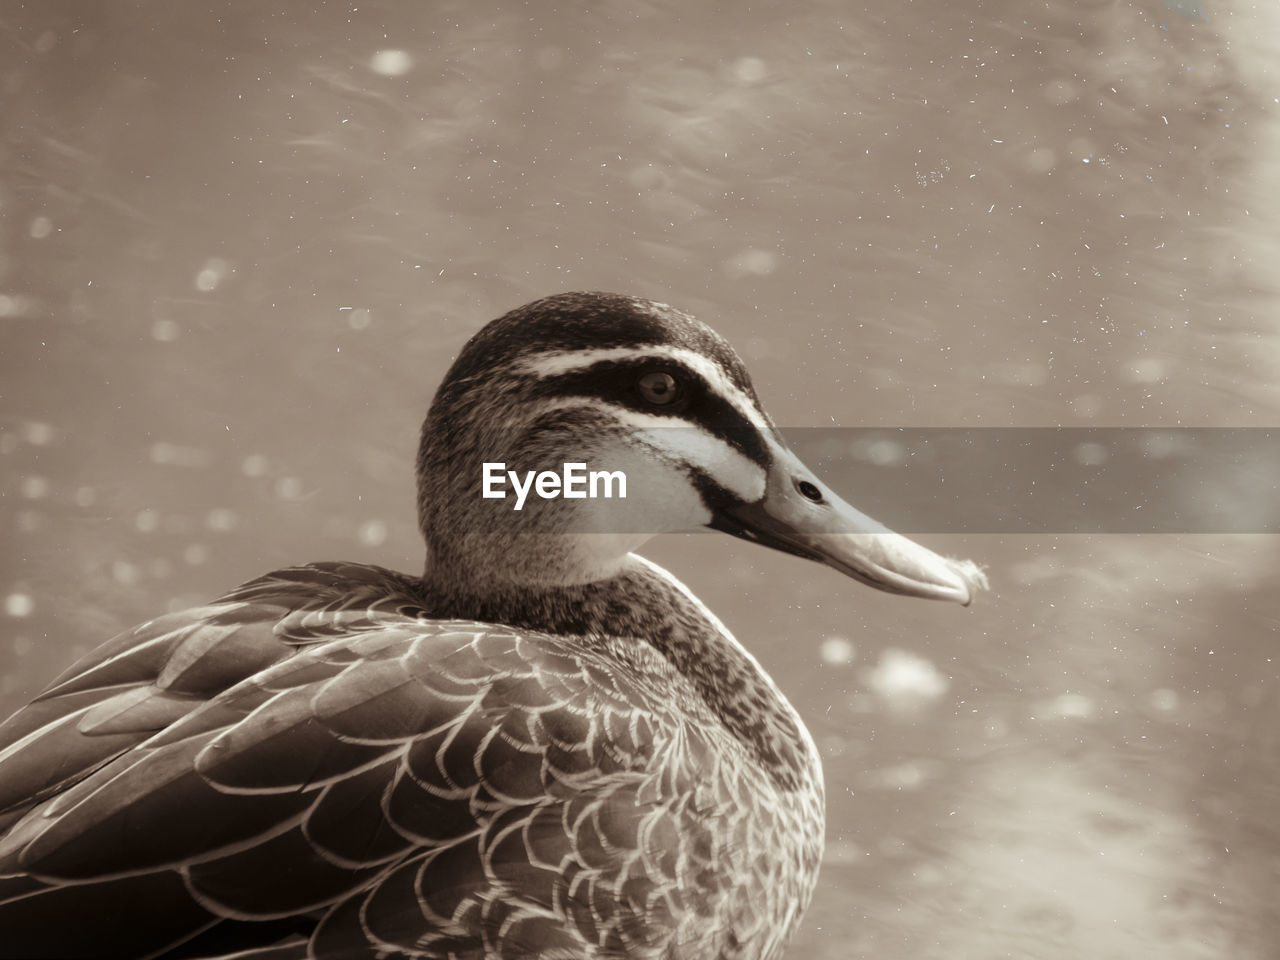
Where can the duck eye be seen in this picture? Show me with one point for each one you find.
(658, 388)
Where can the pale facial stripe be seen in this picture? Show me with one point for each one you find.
(678, 441)
(560, 362)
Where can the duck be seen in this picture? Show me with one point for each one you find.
(544, 745)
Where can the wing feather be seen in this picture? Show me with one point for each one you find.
(309, 747)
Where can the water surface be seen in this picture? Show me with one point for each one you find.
(242, 243)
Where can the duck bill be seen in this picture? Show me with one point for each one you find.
(833, 533)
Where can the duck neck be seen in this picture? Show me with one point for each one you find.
(645, 603)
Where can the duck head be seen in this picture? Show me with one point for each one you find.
(622, 386)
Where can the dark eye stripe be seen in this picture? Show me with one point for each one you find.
(614, 382)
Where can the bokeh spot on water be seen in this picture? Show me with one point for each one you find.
(19, 604)
(905, 680)
(391, 63)
(212, 274)
(837, 651)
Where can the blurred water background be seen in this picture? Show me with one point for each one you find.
(241, 242)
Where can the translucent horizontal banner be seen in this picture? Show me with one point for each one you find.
(912, 480)
(1053, 480)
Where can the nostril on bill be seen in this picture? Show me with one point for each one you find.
(809, 490)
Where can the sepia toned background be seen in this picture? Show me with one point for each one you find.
(241, 242)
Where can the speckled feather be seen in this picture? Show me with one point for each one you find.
(420, 787)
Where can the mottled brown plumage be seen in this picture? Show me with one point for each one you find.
(543, 747)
